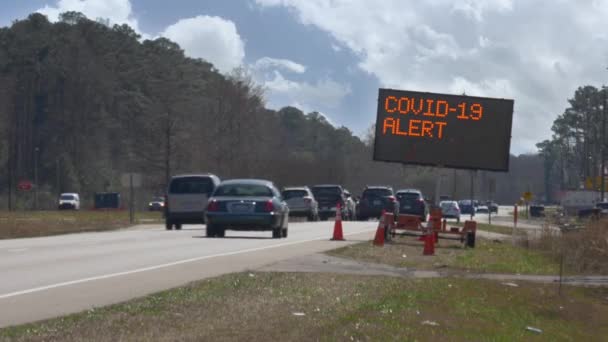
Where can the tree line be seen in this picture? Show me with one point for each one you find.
(572, 158)
(82, 103)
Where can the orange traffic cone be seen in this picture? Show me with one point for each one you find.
(379, 239)
(429, 245)
(338, 236)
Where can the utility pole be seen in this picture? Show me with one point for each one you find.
(58, 177)
(473, 172)
(36, 149)
(603, 144)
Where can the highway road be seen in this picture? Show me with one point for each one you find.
(52, 276)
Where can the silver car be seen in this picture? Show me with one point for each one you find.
(450, 209)
(301, 202)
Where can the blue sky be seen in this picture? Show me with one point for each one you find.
(333, 55)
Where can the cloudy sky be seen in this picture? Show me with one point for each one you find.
(333, 55)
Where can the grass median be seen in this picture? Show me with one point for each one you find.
(489, 256)
(23, 224)
(327, 307)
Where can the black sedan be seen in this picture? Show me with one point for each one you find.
(247, 204)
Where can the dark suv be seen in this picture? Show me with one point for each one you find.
(328, 196)
(412, 202)
(375, 199)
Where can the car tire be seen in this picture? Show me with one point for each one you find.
(210, 231)
(276, 233)
(284, 232)
(178, 226)
(323, 218)
(458, 219)
(470, 240)
(220, 232)
(168, 225)
(310, 218)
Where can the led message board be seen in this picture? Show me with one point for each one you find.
(453, 131)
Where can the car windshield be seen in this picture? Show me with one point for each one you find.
(326, 191)
(447, 205)
(603, 205)
(376, 193)
(243, 190)
(408, 196)
(67, 197)
(158, 199)
(289, 194)
(191, 185)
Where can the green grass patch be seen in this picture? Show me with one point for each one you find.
(20, 224)
(261, 307)
(487, 257)
(490, 256)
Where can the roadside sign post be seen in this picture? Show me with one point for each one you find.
(492, 189)
(514, 223)
(132, 181)
(527, 196)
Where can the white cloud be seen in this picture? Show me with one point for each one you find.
(536, 53)
(118, 11)
(212, 38)
(276, 63)
(325, 93)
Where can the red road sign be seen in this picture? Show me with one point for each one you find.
(25, 185)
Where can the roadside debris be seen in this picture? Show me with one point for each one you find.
(299, 314)
(510, 284)
(404, 256)
(251, 275)
(533, 329)
(431, 323)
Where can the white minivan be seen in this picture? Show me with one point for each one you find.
(69, 200)
(186, 200)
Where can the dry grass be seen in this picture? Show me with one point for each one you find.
(261, 307)
(23, 224)
(584, 251)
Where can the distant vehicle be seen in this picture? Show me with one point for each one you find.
(450, 209)
(187, 197)
(412, 202)
(603, 206)
(492, 206)
(351, 205)
(107, 200)
(69, 200)
(466, 207)
(247, 204)
(329, 196)
(575, 201)
(156, 204)
(301, 202)
(443, 198)
(374, 200)
(482, 209)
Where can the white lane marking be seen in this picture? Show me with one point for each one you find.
(17, 250)
(155, 267)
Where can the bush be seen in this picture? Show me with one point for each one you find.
(584, 250)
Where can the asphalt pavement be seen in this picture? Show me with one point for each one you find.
(53, 276)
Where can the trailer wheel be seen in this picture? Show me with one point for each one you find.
(470, 239)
